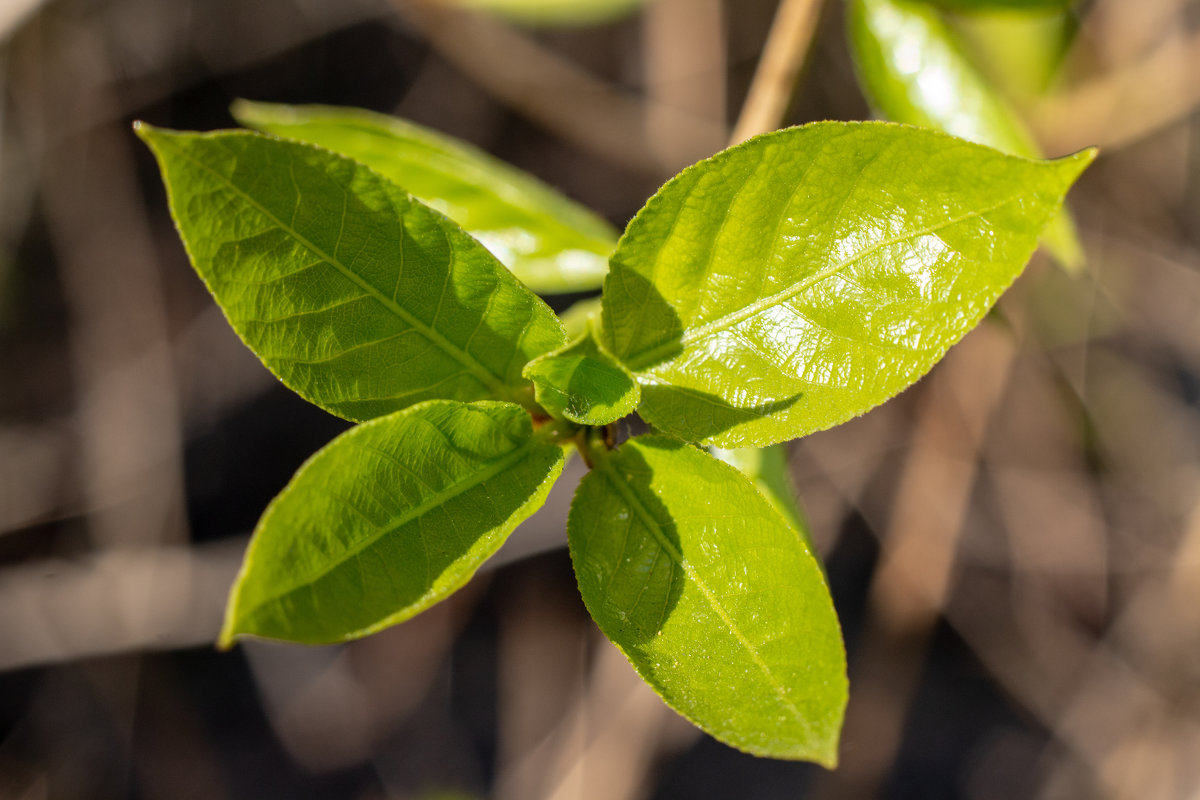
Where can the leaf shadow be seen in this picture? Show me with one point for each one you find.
(695, 414)
(706, 416)
(653, 577)
(596, 384)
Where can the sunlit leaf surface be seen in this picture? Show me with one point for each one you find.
(797, 280)
(715, 599)
(548, 241)
(767, 468)
(388, 519)
(357, 296)
(912, 69)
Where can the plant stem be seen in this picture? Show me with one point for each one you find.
(774, 78)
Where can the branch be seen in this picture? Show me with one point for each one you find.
(775, 78)
(557, 93)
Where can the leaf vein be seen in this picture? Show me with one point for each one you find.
(653, 355)
(487, 377)
(630, 496)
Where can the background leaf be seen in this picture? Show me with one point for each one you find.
(358, 297)
(1002, 5)
(578, 318)
(582, 383)
(912, 70)
(548, 241)
(797, 280)
(388, 519)
(555, 12)
(714, 598)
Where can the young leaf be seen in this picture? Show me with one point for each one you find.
(355, 295)
(912, 70)
(582, 383)
(388, 519)
(712, 596)
(548, 241)
(799, 279)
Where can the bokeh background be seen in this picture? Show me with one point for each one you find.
(1013, 544)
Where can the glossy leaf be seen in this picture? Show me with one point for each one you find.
(713, 597)
(799, 279)
(357, 296)
(388, 519)
(767, 469)
(582, 383)
(555, 12)
(548, 241)
(912, 70)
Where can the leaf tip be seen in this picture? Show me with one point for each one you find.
(226, 639)
(143, 130)
(231, 627)
(1074, 164)
(825, 753)
(150, 134)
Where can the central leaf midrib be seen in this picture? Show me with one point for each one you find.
(493, 381)
(655, 529)
(652, 356)
(433, 501)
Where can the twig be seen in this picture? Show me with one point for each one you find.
(127, 399)
(685, 66)
(910, 586)
(775, 77)
(120, 601)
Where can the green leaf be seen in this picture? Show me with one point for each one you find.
(582, 383)
(578, 318)
(767, 469)
(712, 596)
(1019, 53)
(1002, 5)
(548, 241)
(912, 70)
(357, 296)
(388, 519)
(799, 279)
(555, 12)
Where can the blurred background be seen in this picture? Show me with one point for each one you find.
(1013, 544)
